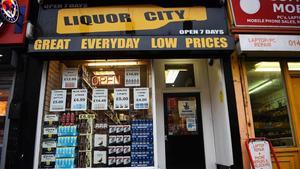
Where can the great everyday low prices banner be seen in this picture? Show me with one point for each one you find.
(266, 13)
(123, 18)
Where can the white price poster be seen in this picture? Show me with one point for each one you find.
(58, 100)
(141, 98)
(79, 99)
(69, 78)
(121, 98)
(99, 99)
(132, 77)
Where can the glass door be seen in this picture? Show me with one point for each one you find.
(184, 135)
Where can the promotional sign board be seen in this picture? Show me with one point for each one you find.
(70, 78)
(58, 100)
(99, 101)
(132, 77)
(79, 100)
(269, 43)
(261, 154)
(266, 13)
(259, 151)
(141, 98)
(121, 98)
(132, 43)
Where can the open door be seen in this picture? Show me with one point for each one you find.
(184, 132)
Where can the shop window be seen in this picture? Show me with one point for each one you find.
(294, 66)
(179, 75)
(269, 102)
(97, 114)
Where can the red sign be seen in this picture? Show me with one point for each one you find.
(14, 33)
(266, 13)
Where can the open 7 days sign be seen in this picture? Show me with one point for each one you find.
(266, 13)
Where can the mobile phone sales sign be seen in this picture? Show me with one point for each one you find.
(266, 13)
(260, 154)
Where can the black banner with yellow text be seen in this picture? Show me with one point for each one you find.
(131, 43)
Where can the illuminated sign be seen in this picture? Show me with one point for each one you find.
(102, 80)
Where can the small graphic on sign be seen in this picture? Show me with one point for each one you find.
(187, 108)
(10, 10)
(250, 7)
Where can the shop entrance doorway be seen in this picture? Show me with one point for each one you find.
(183, 131)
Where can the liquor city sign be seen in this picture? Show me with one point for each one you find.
(266, 13)
(123, 28)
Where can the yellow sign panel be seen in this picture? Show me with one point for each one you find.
(123, 18)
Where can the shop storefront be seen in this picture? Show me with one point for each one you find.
(266, 71)
(13, 20)
(139, 86)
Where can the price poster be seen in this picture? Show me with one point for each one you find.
(69, 78)
(99, 99)
(261, 154)
(141, 98)
(79, 100)
(58, 100)
(121, 98)
(132, 77)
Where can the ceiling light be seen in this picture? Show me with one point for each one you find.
(171, 75)
(1, 55)
(267, 67)
(112, 63)
(260, 86)
(294, 66)
(102, 73)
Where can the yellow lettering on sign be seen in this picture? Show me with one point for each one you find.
(206, 42)
(164, 42)
(52, 44)
(123, 18)
(110, 43)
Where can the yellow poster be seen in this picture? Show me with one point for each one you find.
(123, 18)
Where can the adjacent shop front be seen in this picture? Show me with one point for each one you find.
(137, 86)
(12, 40)
(266, 71)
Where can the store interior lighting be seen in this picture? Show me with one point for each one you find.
(104, 73)
(294, 66)
(267, 67)
(260, 86)
(128, 63)
(171, 75)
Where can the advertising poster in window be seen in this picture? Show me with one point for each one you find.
(187, 108)
(99, 99)
(121, 98)
(69, 78)
(191, 124)
(141, 98)
(79, 100)
(260, 153)
(58, 100)
(132, 77)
